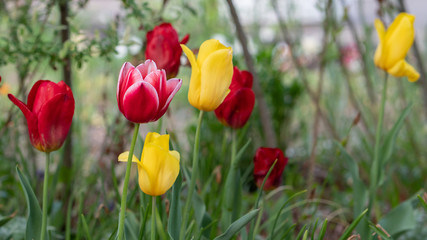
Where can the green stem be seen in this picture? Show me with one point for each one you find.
(125, 187)
(45, 205)
(153, 218)
(193, 177)
(375, 170)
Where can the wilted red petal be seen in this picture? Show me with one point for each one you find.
(54, 121)
(172, 87)
(140, 103)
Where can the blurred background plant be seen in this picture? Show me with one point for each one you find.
(312, 64)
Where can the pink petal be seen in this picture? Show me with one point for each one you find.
(140, 103)
(122, 79)
(157, 79)
(54, 121)
(147, 67)
(132, 77)
(172, 87)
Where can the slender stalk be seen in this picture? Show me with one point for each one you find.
(376, 163)
(125, 187)
(153, 217)
(193, 177)
(45, 205)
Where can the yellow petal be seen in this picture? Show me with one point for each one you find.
(398, 39)
(158, 170)
(379, 26)
(379, 53)
(217, 72)
(194, 90)
(157, 139)
(402, 68)
(123, 157)
(207, 48)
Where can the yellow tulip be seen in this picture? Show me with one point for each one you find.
(395, 43)
(211, 74)
(158, 168)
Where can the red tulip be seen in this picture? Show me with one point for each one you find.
(237, 107)
(143, 94)
(163, 47)
(49, 112)
(263, 160)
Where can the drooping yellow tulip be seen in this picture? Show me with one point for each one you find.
(158, 168)
(394, 44)
(211, 74)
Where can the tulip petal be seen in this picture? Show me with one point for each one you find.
(217, 72)
(195, 82)
(172, 87)
(158, 171)
(140, 102)
(24, 108)
(399, 38)
(236, 108)
(185, 39)
(402, 68)
(154, 138)
(42, 92)
(123, 157)
(207, 48)
(54, 121)
(121, 82)
(157, 79)
(147, 67)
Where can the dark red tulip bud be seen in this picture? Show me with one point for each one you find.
(237, 107)
(163, 47)
(263, 160)
(49, 112)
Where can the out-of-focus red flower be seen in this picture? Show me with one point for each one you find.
(163, 46)
(237, 107)
(49, 112)
(143, 94)
(263, 160)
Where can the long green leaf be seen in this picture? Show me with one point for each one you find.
(237, 225)
(353, 225)
(390, 140)
(85, 227)
(4, 220)
(423, 202)
(174, 221)
(360, 192)
(242, 150)
(34, 222)
(399, 219)
(379, 231)
(323, 230)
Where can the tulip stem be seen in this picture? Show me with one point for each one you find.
(45, 205)
(375, 170)
(153, 218)
(125, 187)
(194, 172)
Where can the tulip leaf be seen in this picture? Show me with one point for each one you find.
(85, 227)
(4, 220)
(33, 228)
(323, 230)
(242, 150)
(237, 225)
(422, 201)
(131, 226)
(360, 192)
(353, 225)
(202, 217)
(380, 232)
(174, 221)
(399, 219)
(390, 140)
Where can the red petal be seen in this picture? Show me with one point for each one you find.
(147, 67)
(236, 108)
(54, 121)
(24, 108)
(124, 71)
(157, 79)
(185, 39)
(172, 87)
(140, 103)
